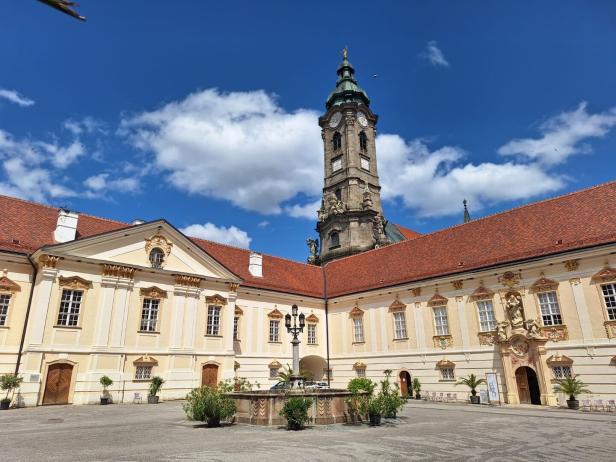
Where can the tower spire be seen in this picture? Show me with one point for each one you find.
(467, 216)
(347, 90)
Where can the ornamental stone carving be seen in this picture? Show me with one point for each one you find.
(158, 241)
(396, 306)
(74, 282)
(487, 338)
(153, 292)
(607, 274)
(610, 328)
(481, 293)
(442, 341)
(7, 285)
(572, 265)
(118, 271)
(188, 281)
(48, 261)
(514, 309)
(216, 299)
(416, 291)
(543, 284)
(509, 279)
(519, 346)
(555, 333)
(378, 231)
(458, 284)
(356, 312)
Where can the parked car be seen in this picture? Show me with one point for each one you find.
(318, 385)
(281, 386)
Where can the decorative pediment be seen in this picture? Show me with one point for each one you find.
(356, 312)
(238, 311)
(544, 284)
(397, 305)
(158, 241)
(275, 314)
(74, 282)
(274, 365)
(481, 293)
(216, 299)
(359, 365)
(559, 360)
(153, 292)
(445, 364)
(145, 360)
(188, 281)
(605, 275)
(437, 300)
(118, 271)
(312, 318)
(8, 286)
(509, 279)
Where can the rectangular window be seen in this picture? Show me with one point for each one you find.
(561, 372)
(149, 314)
(274, 372)
(213, 320)
(399, 325)
(550, 311)
(312, 334)
(447, 374)
(143, 373)
(236, 321)
(358, 330)
(364, 163)
(361, 372)
(440, 321)
(274, 328)
(609, 295)
(336, 164)
(487, 321)
(5, 299)
(69, 307)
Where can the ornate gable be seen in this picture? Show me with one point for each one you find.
(74, 282)
(146, 360)
(275, 314)
(153, 292)
(238, 311)
(559, 360)
(397, 305)
(9, 286)
(445, 364)
(216, 299)
(274, 365)
(481, 293)
(312, 318)
(359, 365)
(356, 312)
(544, 284)
(605, 275)
(437, 300)
(159, 241)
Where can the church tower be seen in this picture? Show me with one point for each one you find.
(351, 218)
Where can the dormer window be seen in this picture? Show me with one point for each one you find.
(337, 141)
(363, 141)
(157, 257)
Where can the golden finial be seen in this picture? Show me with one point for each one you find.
(345, 52)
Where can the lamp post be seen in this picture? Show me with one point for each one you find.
(297, 381)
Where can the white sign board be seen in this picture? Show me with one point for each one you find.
(492, 382)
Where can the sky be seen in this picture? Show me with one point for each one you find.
(205, 113)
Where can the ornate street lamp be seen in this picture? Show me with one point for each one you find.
(297, 381)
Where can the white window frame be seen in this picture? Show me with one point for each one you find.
(562, 372)
(550, 309)
(485, 312)
(70, 308)
(236, 328)
(149, 315)
(143, 372)
(311, 334)
(337, 164)
(360, 371)
(5, 303)
(448, 373)
(213, 320)
(400, 325)
(441, 320)
(608, 291)
(358, 330)
(274, 331)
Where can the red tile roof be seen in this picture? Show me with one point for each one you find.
(576, 220)
(407, 233)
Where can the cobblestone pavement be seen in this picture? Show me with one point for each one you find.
(424, 431)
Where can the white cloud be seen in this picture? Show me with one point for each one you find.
(240, 146)
(562, 135)
(304, 211)
(86, 125)
(263, 224)
(231, 235)
(101, 183)
(15, 97)
(63, 156)
(434, 55)
(435, 182)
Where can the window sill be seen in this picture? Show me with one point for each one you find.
(148, 332)
(447, 380)
(335, 247)
(67, 327)
(4, 327)
(359, 343)
(142, 380)
(312, 344)
(276, 343)
(213, 336)
(401, 339)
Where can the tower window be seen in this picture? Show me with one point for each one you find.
(157, 256)
(364, 163)
(334, 240)
(338, 194)
(363, 141)
(337, 141)
(337, 164)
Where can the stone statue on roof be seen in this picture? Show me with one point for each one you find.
(313, 246)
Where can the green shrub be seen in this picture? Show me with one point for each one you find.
(392, 401)
(362, 389)
(209, 404)
(106, 382)
(156, 384)
(295, 410)
(416, 386)
(361, 384)
(9, 383)
(376, 405)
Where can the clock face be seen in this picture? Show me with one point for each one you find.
(361, 118)
(335, 120)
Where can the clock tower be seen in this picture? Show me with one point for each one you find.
(351, 218)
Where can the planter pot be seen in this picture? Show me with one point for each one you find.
(417, 396)
(104, 401)
(475, 400)
(213, 422)
(294, 426)
(152, 399)
(573, 404)
(4, 405)
(375, 420)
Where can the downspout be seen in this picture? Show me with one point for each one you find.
(23, 333)
(326, 323)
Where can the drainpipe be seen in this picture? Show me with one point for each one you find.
(23, 333)
(326, 322)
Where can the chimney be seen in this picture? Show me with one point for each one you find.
(137, 221)
(255, 265)
(66, 228)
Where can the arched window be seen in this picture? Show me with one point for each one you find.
(334, 240)
(363, 141)
(337, 141)
(157, 256)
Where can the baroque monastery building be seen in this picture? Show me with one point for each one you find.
(528, 294)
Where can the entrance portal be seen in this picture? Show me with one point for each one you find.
(209, 375)
(406, 388)
(528, 386)
(58, 384)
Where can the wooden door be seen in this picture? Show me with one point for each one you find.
(58, 384)
(521, 378)
(404, 383)
(209, 375)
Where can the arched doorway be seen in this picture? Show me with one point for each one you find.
(314, 367)
(209, 375)
(528, 386)
(406, 388)
(58, 383)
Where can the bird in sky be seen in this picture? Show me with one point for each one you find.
(65, 7)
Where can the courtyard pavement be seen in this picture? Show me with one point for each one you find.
(423, 431)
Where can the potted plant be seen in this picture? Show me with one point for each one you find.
(295, 410)
(9, 383)
(375, 410)
(472, 382)
(209, 404)
(105, 382)
(361, 389)
(571, 386)
(416, 385)
(391, 400)
(155, 385)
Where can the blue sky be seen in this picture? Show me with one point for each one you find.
(204, 113)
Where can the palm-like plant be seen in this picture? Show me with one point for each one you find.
(472, 382)
(285, 375)
(571, 386)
